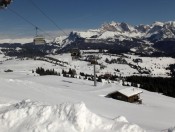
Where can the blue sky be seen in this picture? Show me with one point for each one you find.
(81, 14)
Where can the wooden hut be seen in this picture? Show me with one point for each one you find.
(131, 95)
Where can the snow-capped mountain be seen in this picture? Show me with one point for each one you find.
(121, 35)
(157, 39)
(114, 30)
(161, 31)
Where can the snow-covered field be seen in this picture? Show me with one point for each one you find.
(29, 102)
(156, 65)
(66, 104)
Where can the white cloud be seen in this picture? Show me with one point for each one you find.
(24, 37)
(20, 40)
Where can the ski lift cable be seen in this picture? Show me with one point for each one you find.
(49, 18)
(16, 13)
(29, 22)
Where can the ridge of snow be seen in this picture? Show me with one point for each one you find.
(88, 34)
(108, 34)
(157, 23)
(60, 39)
(33, 116)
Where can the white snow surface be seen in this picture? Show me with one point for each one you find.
(88, 34)
(33, 116)
(60, 39)
(48, 93)
(157, 65)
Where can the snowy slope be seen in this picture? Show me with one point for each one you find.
(156, 113)
(79, 97)
(33, 116)
(156, 65)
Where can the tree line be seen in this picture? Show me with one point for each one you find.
(172, 70)
(165, 86)
(41, 71)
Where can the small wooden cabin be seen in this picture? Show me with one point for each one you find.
(131, 95)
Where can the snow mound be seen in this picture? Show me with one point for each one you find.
(33, 116)
(121, 119)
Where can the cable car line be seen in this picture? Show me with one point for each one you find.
(16, 13)
(29, 22)
(51, 20)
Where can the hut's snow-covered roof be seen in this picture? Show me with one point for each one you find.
(130, 91)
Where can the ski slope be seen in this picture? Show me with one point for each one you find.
(76, 100)
(29, 102)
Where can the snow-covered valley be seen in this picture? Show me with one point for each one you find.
(29, 102)
(120, 65)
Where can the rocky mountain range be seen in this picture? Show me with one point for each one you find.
(157, 38)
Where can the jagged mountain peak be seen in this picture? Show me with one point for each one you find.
(169, 24)
(160, 31)
(109, 27)
(142, 28)
(117, 27)
(119, 31)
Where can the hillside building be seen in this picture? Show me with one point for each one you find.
(131, 95)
